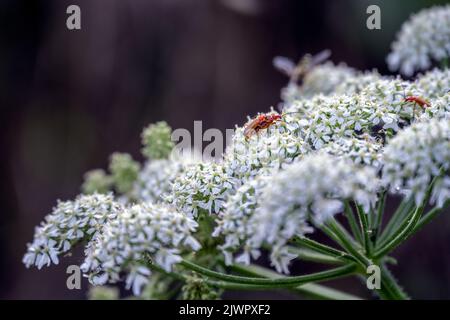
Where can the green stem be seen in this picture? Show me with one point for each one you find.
(389, 286)
(281, 282)
(427, 217)
(348, 243)
(219, 284)
(380, 212)
(404, 230)
(352, 222)
(405, 206)
(310, 289)
(310, 255)
(365, 229)
(332, 235)
(322, 248)
(444, 63)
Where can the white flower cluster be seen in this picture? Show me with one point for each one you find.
(329, 79)
(325, 78)
(140, 232)
(439, 109)
(328, 146)
(355, 84)
(267, 150)
(69, 223)
(308, 190)
(232, 222)
(365, 150)
(436, 83)
(156, 178)
(389, 105)
(379, 108)
(415, 156)
(423, 38)
(322, 79)
(203, 186)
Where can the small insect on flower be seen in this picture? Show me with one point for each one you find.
(418, 100)
(296, 73)
(262, 121)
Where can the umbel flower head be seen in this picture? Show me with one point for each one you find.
(68, 224)
(324, 79)
(232, 222)
(390, 109)
(436, 83)
(310, 190)
(417, 155)
(267, 150)
(380, 108)
(328, 79)
(364, 150)
(424, 38)
(156, 178)
(355, 84)
(139, 233)
(203, 186)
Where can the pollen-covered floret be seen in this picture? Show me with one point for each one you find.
(68, 224)
(141, 234)
(417, 155)
(422, 40)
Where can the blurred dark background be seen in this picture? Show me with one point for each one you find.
(71, 98)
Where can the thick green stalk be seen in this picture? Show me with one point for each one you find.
(219, 284)
(389, 286)
(309, 289)
(282, 282)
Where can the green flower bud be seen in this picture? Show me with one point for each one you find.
(96, 181)
(196, 288)
(157, 142)
(103, 293)
(124, 171)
